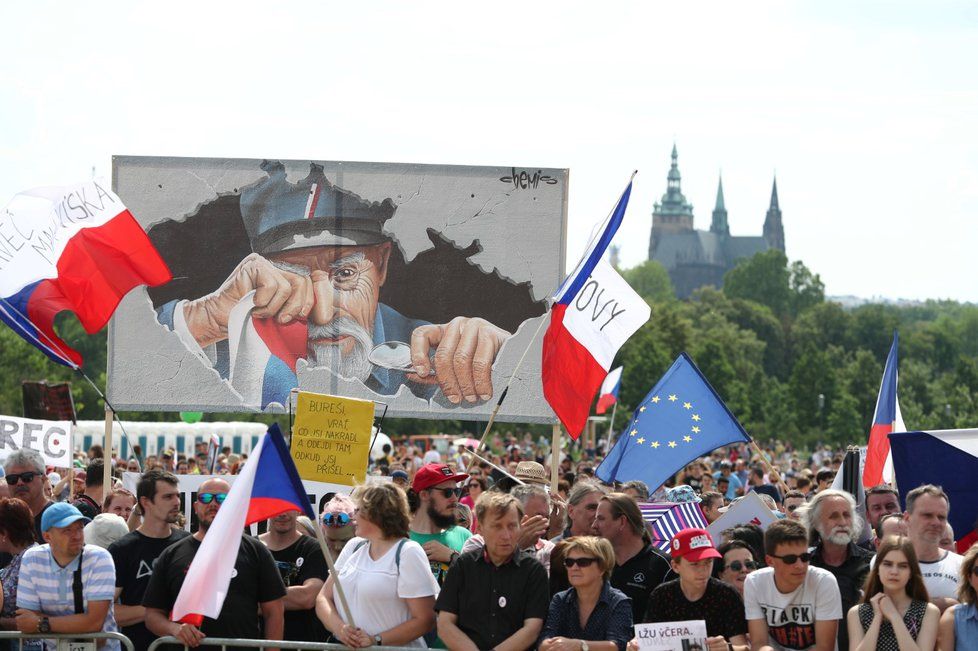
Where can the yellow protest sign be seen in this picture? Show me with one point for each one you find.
(331, 438)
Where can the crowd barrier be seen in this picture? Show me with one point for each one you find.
(67, 641)
(222, 642)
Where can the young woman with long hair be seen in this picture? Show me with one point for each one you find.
(895, 614)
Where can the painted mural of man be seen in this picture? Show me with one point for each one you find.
(320, 257)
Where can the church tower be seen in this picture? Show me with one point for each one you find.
(719, 225)
(673, 214)
(773, 228)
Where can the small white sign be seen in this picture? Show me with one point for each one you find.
(51, 438)
(672, 636)
(76, 645)
(749, 510)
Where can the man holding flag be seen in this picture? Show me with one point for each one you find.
(255, 582)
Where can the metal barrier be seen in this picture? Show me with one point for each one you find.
(224, 642)
(67, 641)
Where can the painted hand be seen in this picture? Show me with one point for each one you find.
(465, 349)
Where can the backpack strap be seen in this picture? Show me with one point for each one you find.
(397, 554)
(76, 585)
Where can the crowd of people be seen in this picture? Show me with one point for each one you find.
(491, 558)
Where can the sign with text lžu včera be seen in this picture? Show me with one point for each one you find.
(331, 438)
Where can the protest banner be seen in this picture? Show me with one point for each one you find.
(331, 438)
(318, 492)
(750, 509)
(672, 636)
(51, 438)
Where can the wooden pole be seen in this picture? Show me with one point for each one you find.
(107, 453)
(771, 470)
(555, 458)
(332, 572)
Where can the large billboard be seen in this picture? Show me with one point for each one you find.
(416, 286)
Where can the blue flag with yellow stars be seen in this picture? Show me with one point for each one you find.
(681, 418)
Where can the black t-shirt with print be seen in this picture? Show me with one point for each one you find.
(134, 555)
(297, 563)
(639, 576)
(720, 606)
(255, 580)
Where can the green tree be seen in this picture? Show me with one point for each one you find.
(763, 279)
(650, 280)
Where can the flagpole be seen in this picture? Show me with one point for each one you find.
(611, 425)
(492, 417)
(555, 458)
(333, 573)
(771, 470)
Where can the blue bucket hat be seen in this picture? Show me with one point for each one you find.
(682, 493)
(60, 514)
(281, 216)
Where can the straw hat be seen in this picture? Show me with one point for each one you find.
(531, 472)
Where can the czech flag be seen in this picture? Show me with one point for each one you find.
(609, 390)
(886, 419)
(73, 248)
(268, 485)
(594, 313)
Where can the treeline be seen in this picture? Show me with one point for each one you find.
(789, 364)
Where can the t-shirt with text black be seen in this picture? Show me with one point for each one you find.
(134, 555)
(255, 580)
(297, 563)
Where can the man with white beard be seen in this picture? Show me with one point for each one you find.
(833, 526)
(320, 259)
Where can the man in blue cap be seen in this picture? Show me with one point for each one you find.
(66, 586)
(320, 258)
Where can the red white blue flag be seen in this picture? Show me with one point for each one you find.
(886, 419)
(609, 391)
(594, 313)
(73, 248)
(268, 485)
(666, 519)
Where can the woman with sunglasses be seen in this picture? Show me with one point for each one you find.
(605, 611)
(477, 486)
(385, 577)
(894, 613)
(736, 563)
(959, 624)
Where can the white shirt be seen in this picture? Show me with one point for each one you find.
(791, 617)
(369, 585)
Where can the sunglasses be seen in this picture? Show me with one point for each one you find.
(447, 492)
(475, 484)
(793, 508)
(207, 498)
(791, 559)
(25, 477)
(336, 519)
(580, 562)
(737, 566)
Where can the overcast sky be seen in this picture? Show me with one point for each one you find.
(867, 111)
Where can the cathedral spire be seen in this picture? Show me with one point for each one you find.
(773, 228)
(720, 225)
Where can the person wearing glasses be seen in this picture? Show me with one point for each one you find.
(789, 604)
(697, 595)
(793, 501)
(338, 523)
(477, 486)
(24, 474)
(432, 498)
(735, 564)
(959, 623)
(158, 496)
(605, 611)
(255, 583)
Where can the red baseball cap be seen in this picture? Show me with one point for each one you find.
(693, 545)
(433, 474)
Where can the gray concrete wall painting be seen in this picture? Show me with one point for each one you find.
(419, 286)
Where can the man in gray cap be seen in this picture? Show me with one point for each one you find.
(320, 258)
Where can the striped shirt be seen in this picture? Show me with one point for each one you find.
(46, 587)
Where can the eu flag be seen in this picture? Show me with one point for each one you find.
(681, 418)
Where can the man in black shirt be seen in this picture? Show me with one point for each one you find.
(639, 567)
(134, 554)
(255, 583)
(696, 595)
(302, 566)
(89, 501)
(496, 596)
